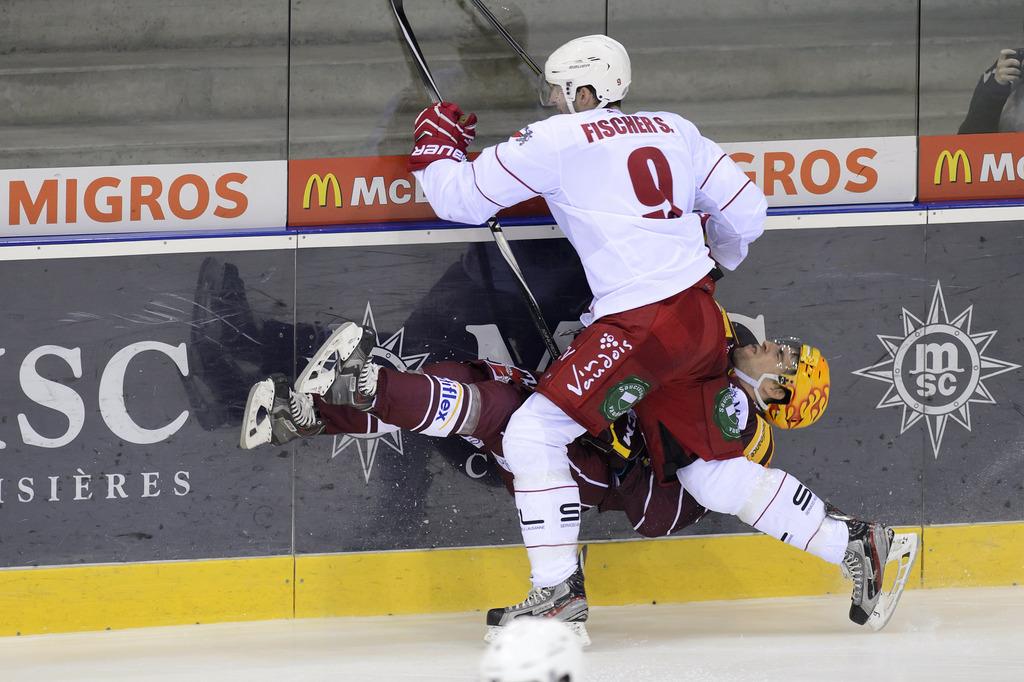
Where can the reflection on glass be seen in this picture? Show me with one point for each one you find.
(970, 67)
(95, 84)
(354, 91)
(767, 71)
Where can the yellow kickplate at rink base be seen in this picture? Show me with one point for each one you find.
(705, 568)
(693, 568)
(677, 569)
(112, 596)
(973, 555)
(415, 581)
(618, 572)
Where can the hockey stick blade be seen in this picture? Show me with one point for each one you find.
(904, 552)
(397, 6)
(513, 43)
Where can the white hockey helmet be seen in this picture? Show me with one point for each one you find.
(598, 61)
(529, 649)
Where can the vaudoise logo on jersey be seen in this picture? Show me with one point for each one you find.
(936, 369)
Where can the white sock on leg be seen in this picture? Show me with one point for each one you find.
(547, 497)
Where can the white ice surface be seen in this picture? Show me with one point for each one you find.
(967, 634)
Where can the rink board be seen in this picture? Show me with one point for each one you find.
(103, 597)
(118, 437)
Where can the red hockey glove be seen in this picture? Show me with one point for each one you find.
(441, 132)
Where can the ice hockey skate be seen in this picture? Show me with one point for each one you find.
(565, 602)
(339, 370)
(873, 546)
(274, 413)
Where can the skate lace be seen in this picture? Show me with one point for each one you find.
(301, 405)
(536, 596)
(367, 381)
(853, 568)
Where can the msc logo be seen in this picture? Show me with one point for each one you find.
(936, 369)
(952, 161)
(936, 366)
(322, 183)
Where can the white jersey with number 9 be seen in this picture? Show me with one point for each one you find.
(623, 188)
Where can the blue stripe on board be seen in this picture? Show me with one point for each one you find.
(445, 225)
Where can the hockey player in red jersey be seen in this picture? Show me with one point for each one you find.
(779, 382)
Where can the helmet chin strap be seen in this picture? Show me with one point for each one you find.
(756, 385)
(569, 102)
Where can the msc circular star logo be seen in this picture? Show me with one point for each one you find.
(936, 369)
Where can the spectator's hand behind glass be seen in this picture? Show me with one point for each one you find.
(986, 112)
(1007, 68)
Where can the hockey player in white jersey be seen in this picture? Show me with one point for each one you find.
(624, 188)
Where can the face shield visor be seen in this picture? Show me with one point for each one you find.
(554, 94)
(786, 362)
(788, 354)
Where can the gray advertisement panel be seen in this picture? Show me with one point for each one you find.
(125, 388)
(426, 303)
(845, 290)
(124, 383)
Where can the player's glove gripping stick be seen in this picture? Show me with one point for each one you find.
(441, 131)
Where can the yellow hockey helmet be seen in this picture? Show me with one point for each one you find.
(807, 386)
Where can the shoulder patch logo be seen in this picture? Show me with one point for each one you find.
(523, 136)
(623, 396)
(730, 412)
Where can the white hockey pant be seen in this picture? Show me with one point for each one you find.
(547, 497)
(770, 500)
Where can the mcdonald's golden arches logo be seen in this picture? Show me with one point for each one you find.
(983, 166)
(952, 161)
(330, 181)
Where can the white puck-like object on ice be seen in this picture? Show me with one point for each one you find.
(529, 649)
(903, 551)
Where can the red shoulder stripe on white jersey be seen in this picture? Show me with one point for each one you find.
(711, 171)
(735, 195)
(475, 184)
(511, 173)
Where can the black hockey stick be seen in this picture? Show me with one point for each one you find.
(414, 49)
(492, 224)
(507, 36)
